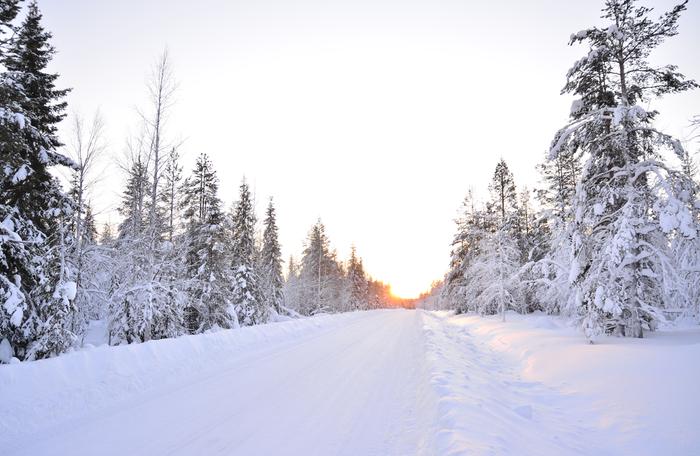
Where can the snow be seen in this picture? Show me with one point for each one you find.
(576, 107)
(311, 385)
(8, 227)
(6, 352)
(371, 383)
(13, 303)
(69, 290)
(619, 396)
(20, 175)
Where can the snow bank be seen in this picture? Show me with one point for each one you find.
(34, 395)
(619, 396)
(485, 407)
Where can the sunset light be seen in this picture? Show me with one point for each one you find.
(349, 227)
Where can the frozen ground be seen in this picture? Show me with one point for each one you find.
(392, 382)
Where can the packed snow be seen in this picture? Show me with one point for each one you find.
(372, 383)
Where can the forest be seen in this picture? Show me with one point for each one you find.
(177, 263)
(609, 240)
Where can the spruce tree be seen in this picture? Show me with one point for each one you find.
(292, 287)
(169, 197)
(357, 281)
(246, 295)
(26, 60)
(319, 274)
(504, 197)
(465, 247)
(34, 211)
(272, 282)
(133, 207)
(207, 269)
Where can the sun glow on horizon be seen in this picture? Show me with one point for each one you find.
(405, 290)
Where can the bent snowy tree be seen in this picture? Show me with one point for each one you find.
(629, 203)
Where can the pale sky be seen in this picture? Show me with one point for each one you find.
(375, 115)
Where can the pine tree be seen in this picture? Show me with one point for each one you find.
(504, 197)
(107, 236)
(26, 61)
(89, 232)
(272, 282)
(246, 295)
(357, 281)
(207, 269)
(465, 247)
(318, 273)
(34, 211)
(145, 295)
(559, 175)
(133, 207)
(495, 284)
(292, 287)
(627, 202)
(172, 179)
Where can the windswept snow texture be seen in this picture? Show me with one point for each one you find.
(392, 382)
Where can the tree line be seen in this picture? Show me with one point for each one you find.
(177, 263)
(613, 241)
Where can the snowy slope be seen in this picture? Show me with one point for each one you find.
(368, 383)
(619, 396)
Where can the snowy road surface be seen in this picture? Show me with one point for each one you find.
(368, 383)
(353, 390)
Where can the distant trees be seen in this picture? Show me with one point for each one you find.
(358, 293)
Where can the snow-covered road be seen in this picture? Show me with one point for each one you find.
(393, 382)
(354, 390)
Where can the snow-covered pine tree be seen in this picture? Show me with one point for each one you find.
(89, 232)
(169, 197)
(628, 201)
(465, 246)
(318, 273)
(37, 297)
(686, 251)
(272, 282)
(357, 283)
(292, 287)
(145, 298)
(246, 294)
(494, 275)
(533, 240)
(504, 196)
(548, 276)
(126, 311)
(559, 176)
(208, 266)
(106, 236)
(494, 284)
(129, 316)
(133, 207)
